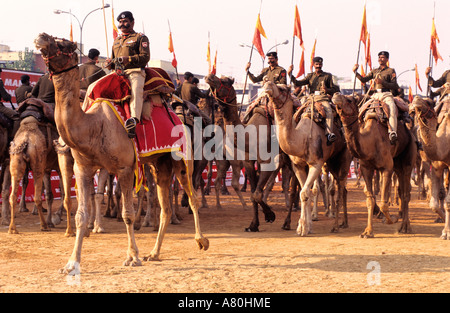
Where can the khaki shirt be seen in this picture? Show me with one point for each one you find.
(276, 75)
(135, 46)
(22, 92)
(44, 89)
(89, 73)
(315, 81)
(445, 78)
(387, 74)
(191, 93)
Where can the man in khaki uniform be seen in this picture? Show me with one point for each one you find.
(188, 91)
(385, 81)
(322, 88)
(443, 81)
(130, 54)
(89, 71)
(274, 72)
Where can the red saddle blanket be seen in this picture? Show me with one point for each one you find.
(162, 132)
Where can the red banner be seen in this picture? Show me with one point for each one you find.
(11, 80)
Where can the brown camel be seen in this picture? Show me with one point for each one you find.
(305, 144)
(208, 106)
(249, 146)
(435, 138)
(5, 175)
(98, 140)
(368, 141)
(33, 147)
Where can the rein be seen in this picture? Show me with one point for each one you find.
(420, 118)
(59, 53)
(224, 100)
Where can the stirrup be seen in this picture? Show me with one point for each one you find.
(393, 137)
(331, 137)
(130, 127)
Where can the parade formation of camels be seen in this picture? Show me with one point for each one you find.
(280, 146)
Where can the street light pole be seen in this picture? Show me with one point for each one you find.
(81, 24)
(264, 58)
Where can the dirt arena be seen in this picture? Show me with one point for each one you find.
(270, 261)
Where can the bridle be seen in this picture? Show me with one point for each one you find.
(428, 114)
(286, 93)
(58, 53)
(230, 96)
(353, 114)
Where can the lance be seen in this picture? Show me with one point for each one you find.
(430, 57)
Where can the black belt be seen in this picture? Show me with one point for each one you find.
(382, 90)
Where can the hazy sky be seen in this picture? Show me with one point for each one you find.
(403, 27)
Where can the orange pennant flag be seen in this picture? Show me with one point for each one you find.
(313, 53)
(71, 32)
(259, 31)
(363, 36)
(208, 57)
(417, 78)
(433, 45)
(115, 30)
(363, 74)
(301, 70)
(368, 57)
(298, 26)
(214, 67)
(410, 95)
(174, 61)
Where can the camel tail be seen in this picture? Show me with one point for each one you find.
(20, 149)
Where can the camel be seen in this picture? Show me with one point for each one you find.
(207, 106)
(5, 176)
(435, 137)
(98, 140)
(32, 147)
(368, 141)
(305, 144)
(248, 149)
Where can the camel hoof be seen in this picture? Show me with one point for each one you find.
(56, 219)
(151, 257)
(269, 217)
(98, 230)
(286, 226)
(175, 221)
(366, 235)
(72, 268)
(137, 226)
(13, 231)
(445, 236)
(130, 261)
(69, 234)
(252, 229)
(334, 230)
(203, 243)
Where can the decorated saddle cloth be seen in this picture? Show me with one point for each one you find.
(379, 109)
(160, 129)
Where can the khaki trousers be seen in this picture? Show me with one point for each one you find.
(388, 98)
(323, 99)
(136, 76)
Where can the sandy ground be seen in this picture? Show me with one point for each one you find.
(270, 261)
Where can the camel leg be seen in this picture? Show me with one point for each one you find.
(126, 178)
(6, 184)
(98, 198)
(38, 180)
(222, 167)
(292, 196)
(386, 181)
(17, 169)
(305, 222)
(437, 174)
(315, 196)
(65, 162)
(446, 231)
(85, 186)
(140, 204)
(368, 174)
(48, 198)
(23, 203)
(235, 183)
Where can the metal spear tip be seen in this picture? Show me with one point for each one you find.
(106, 5)
(56, 11)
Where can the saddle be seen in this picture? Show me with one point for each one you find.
(442, 109)
(260, 106)
(379, 110)
(43, 112)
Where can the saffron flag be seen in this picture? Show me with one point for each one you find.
(410, 95)
(433, 46)
(313, 53)
(115, 30)
(301, 70)
(417, 78)
(214, 67)
(368, 57)
(363, 73)
(298, 27)
(363, 36)
(259, 31)
(171, 49)
(71, 32)
(208, 57)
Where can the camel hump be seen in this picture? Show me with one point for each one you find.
(37, 108)
(401, 104)
(442, 109)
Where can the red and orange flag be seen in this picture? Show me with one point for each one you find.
(174, 61)
(313, 53)
(298, 26)
(115, 30)
(368, 57)
(410, 95)
(71, 32)
(214, 66)
(433, 45)
(364, 33)
(259, 31)
(301, 70)
(417, 78)
(208, 56)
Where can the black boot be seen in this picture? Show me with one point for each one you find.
(130, 126)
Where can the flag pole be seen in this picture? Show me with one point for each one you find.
(249, 61)
(359, 46)
(430, 57)
(106, 32)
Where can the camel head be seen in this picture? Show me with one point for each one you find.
(278, 94)
(422, 107)
(58, 54)
(346, 105)
(222, 89)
